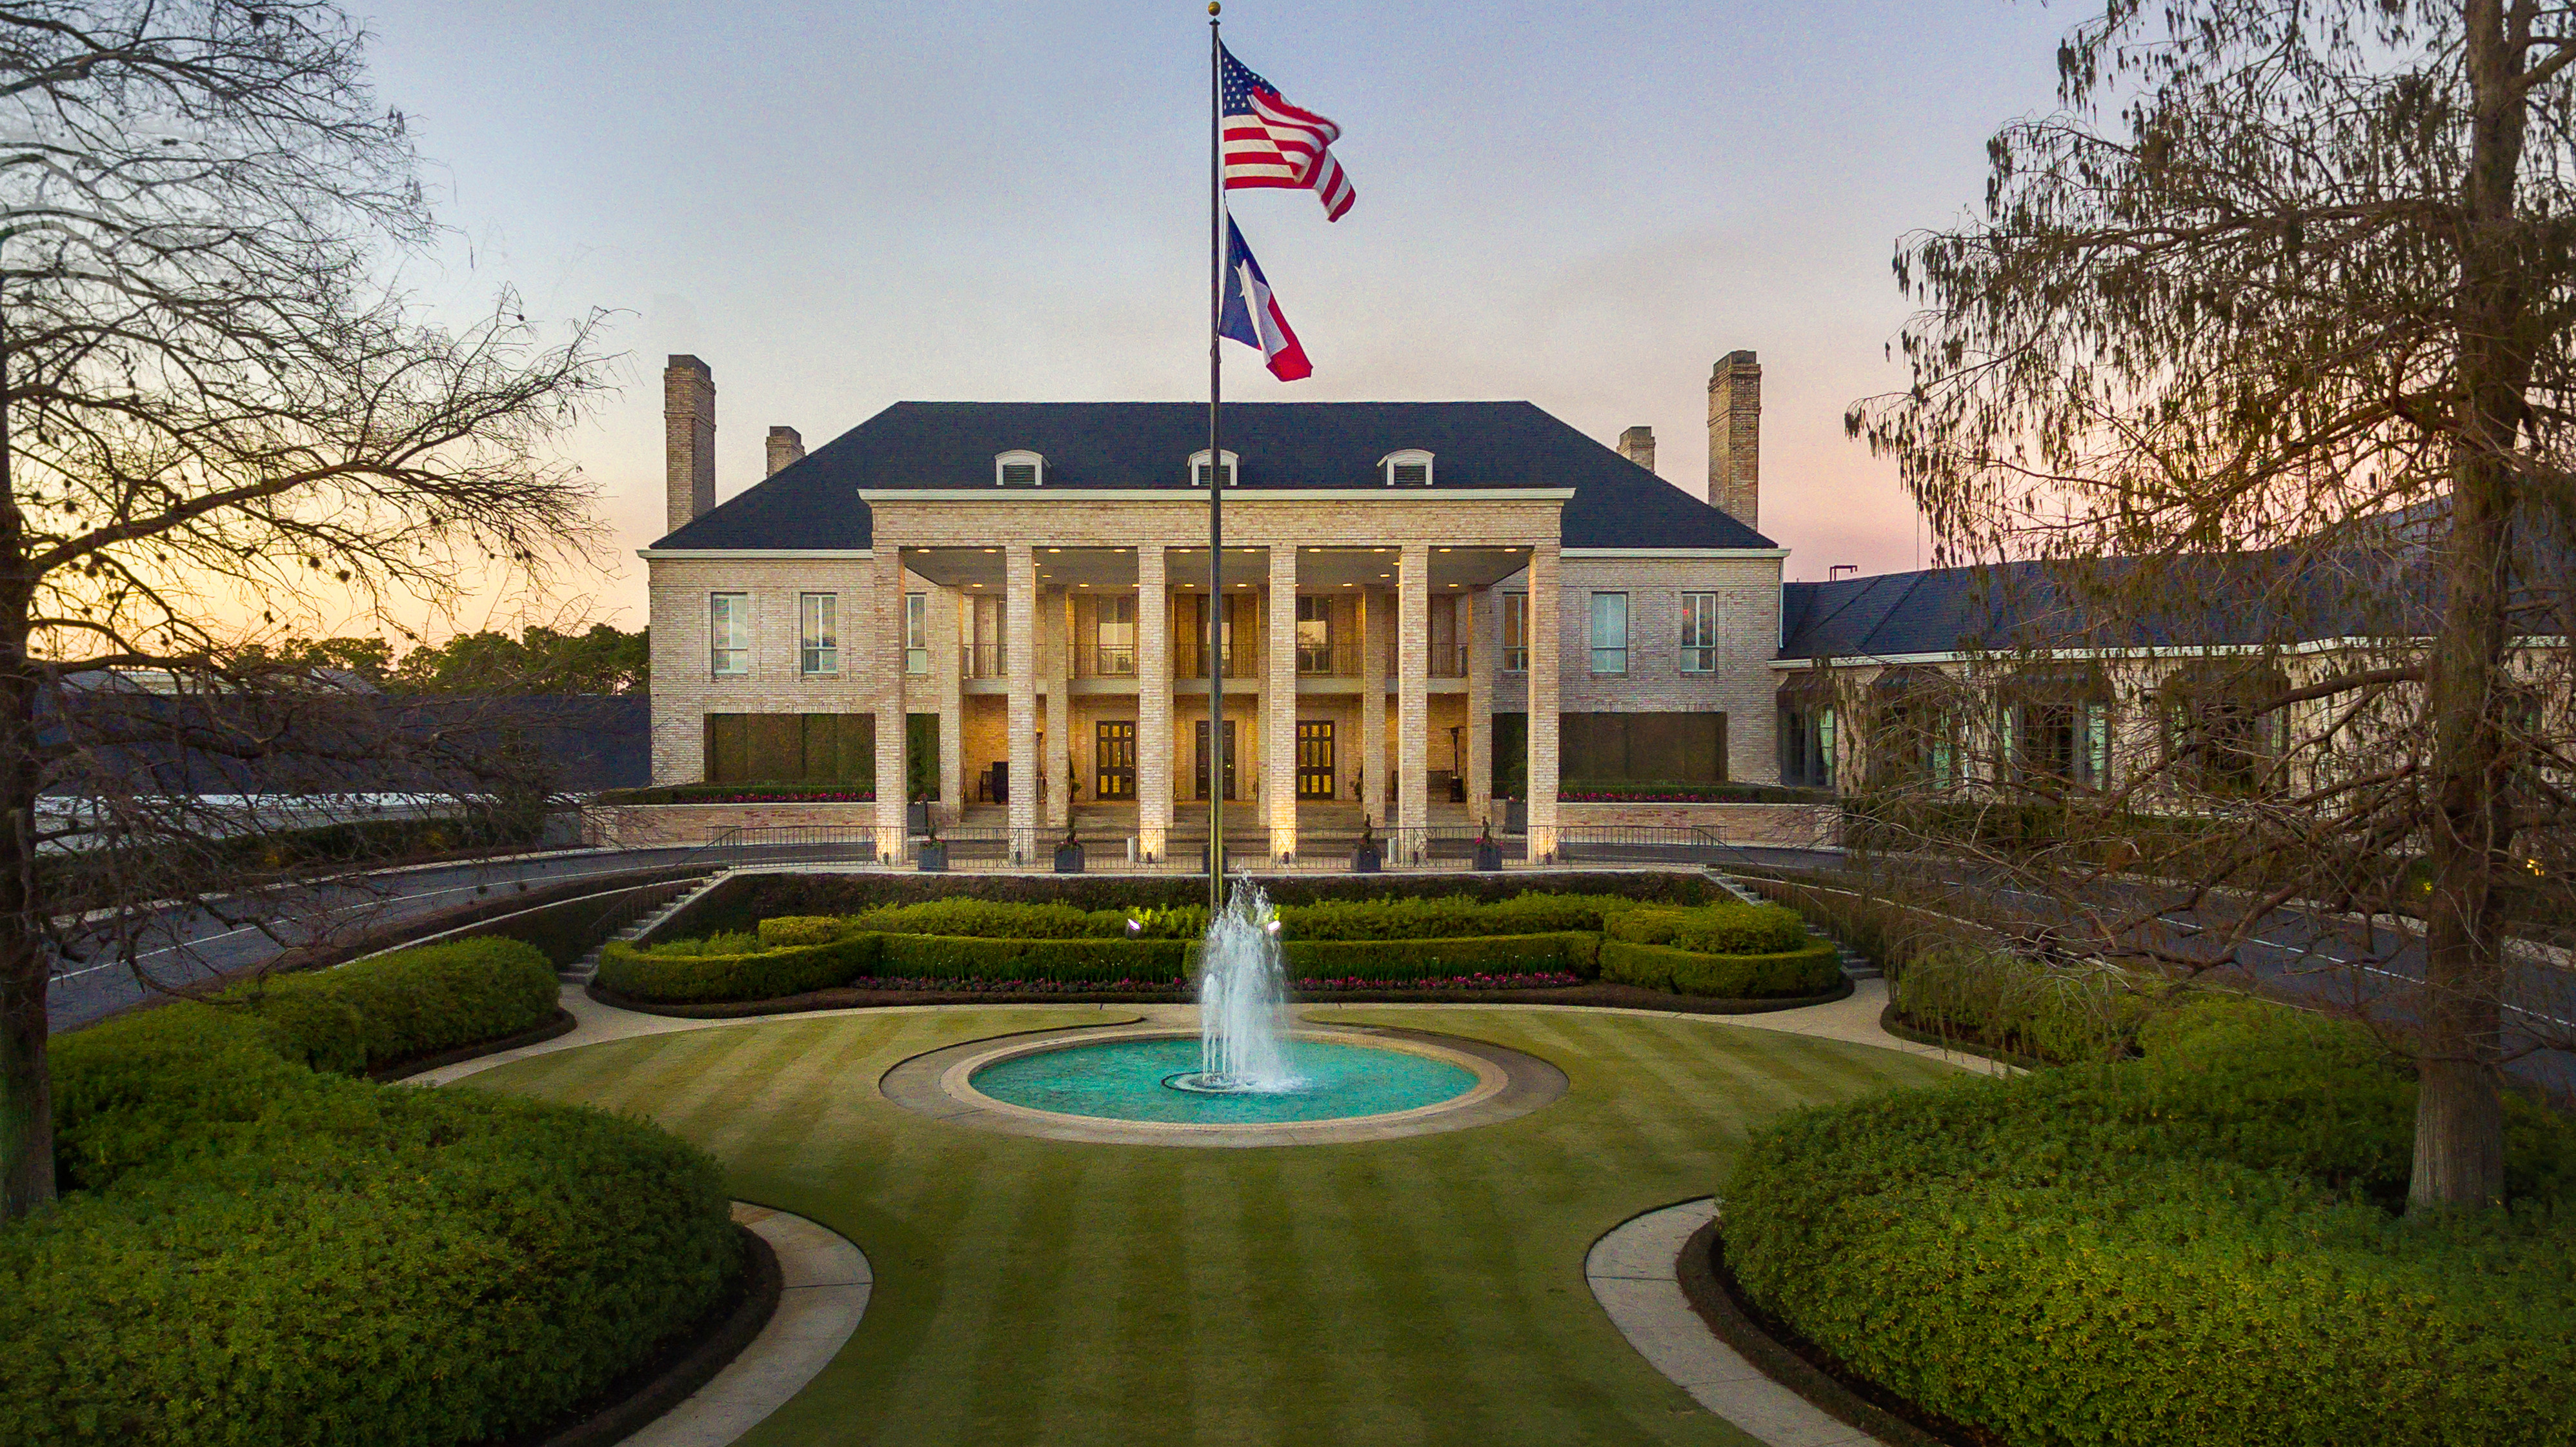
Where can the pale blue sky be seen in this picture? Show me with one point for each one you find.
(1581, 205)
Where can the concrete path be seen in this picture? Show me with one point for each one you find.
(825, 1294)
(1631, 1272)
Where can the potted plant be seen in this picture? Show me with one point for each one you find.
(1365, 858)
(1489, 855)
(934, 850)
(1068, 855)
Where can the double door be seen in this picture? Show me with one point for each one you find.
(1113, 758)
(1315, 759)
(1230, 757)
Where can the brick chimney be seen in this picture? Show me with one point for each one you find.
(1735, 437)
(689, 437)
(1637, 444)
(784, 447)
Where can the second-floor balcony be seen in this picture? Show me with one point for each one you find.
(1189, 660)
(982, 660)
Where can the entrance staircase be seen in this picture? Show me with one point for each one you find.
(581, 971)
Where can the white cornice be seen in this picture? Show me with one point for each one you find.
(1197, 497)
(1579, 553)
(753, 555)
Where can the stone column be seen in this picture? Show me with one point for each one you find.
(1373, 614)
(1020, 650)
(1057, 614)
(946, 607)
(1153, 703)
(1545, 639)
(1279, 707)
(1479, 630)
(884, 655)
(1413, 687)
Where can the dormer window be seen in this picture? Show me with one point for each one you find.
(1199, 468)
(1020, 468)
(1408, 468)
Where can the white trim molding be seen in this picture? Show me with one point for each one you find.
(775, 555)
(1243, 493)
(1581, 553)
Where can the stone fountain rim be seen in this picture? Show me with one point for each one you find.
(1509, 1083)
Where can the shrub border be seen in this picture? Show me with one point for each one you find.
(1570, 997)
(707, 1347)
(561, 1025)
(1789, 1360)
(1895, 1023)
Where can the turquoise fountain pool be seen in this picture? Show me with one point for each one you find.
(1135, 1080)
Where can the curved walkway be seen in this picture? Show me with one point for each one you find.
(1631, 1272)
(824, 1292)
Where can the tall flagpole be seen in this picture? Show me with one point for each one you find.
(1216, 467)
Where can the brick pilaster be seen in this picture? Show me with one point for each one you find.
(1279, 707)
(947, 611)
(1482, 632)
(1373, 616)
(1020, 649)
(1545, 682)
(1413, 686)
(1153, 702)
(1055, 607)
(884, 660)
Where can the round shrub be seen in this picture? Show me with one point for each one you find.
(404, 1005)
(2197, 1247)
(256, 1253)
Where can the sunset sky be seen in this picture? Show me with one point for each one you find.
(1584, 206)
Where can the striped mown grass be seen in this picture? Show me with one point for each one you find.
(1426, 1290)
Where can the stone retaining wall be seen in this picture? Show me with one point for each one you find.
(1791, 826)
(643, 826)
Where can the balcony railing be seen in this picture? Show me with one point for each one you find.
(1189, 660)
(981, 660)
(1103, 660)
(1339, 660)
(1447, 660)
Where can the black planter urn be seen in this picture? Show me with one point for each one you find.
(1366, 860)
(1068, 858)
(934, 856)
(1489, 855)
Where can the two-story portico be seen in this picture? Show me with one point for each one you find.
(1423, 607)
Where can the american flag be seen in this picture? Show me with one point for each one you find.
(1269, 142)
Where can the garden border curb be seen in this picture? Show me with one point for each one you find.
(807, 1003)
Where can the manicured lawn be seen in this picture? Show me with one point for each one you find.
(1423, 1290)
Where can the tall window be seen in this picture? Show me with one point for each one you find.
(1516, 633)
(729, 632)
(1609, 632)
(916, 632)
(819, 649)
(1314, 634)
(1116, 637)
(1699, 633)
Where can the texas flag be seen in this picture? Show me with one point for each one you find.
(1252, 317)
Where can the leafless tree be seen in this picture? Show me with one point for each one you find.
(218, 396)
(2262, 340)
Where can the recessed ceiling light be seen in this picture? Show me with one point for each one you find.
(1055, 550)
(1386, 575)
(1448, 550)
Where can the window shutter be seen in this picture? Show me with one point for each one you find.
(1019, 474)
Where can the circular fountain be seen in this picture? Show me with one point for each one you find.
(1246, 1076)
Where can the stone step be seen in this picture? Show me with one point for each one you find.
(581, 971)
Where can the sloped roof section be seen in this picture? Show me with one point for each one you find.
(1283, 446)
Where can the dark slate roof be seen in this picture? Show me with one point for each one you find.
(1283, 445)
(2226, 599)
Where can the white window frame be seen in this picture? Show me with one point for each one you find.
(1003, 462)
(1592, 627)
(916, 633)
(818, 634)
(729, 635)
(1699, 632)
(1516, 619)
(1233, 468)
(1407, 457)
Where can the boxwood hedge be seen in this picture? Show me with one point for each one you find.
(666, 975)
(2197, 1247)
(254, 1253)
(1572, 952)
(1809, 970)
(1713, 929)
(404, 1005)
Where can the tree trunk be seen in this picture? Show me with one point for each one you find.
(2459, 1116)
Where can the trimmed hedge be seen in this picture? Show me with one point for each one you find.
(407, 1004)
(665, 974)
(2198, 1247)
(1568, 951)
(1099, 961)
(261, 1254)
(1713, 929)
(1811, 970)
(1455, 916)
(2056, 1012)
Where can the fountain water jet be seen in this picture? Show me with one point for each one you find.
(1243, 1001)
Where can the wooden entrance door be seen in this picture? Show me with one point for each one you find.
(1315, 759)
(1113, 758)
(1230, 757)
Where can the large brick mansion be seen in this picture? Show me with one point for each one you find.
(1423, 604)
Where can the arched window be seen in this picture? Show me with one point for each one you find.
(1410, 467)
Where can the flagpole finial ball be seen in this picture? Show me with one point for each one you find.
(1215, 8)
